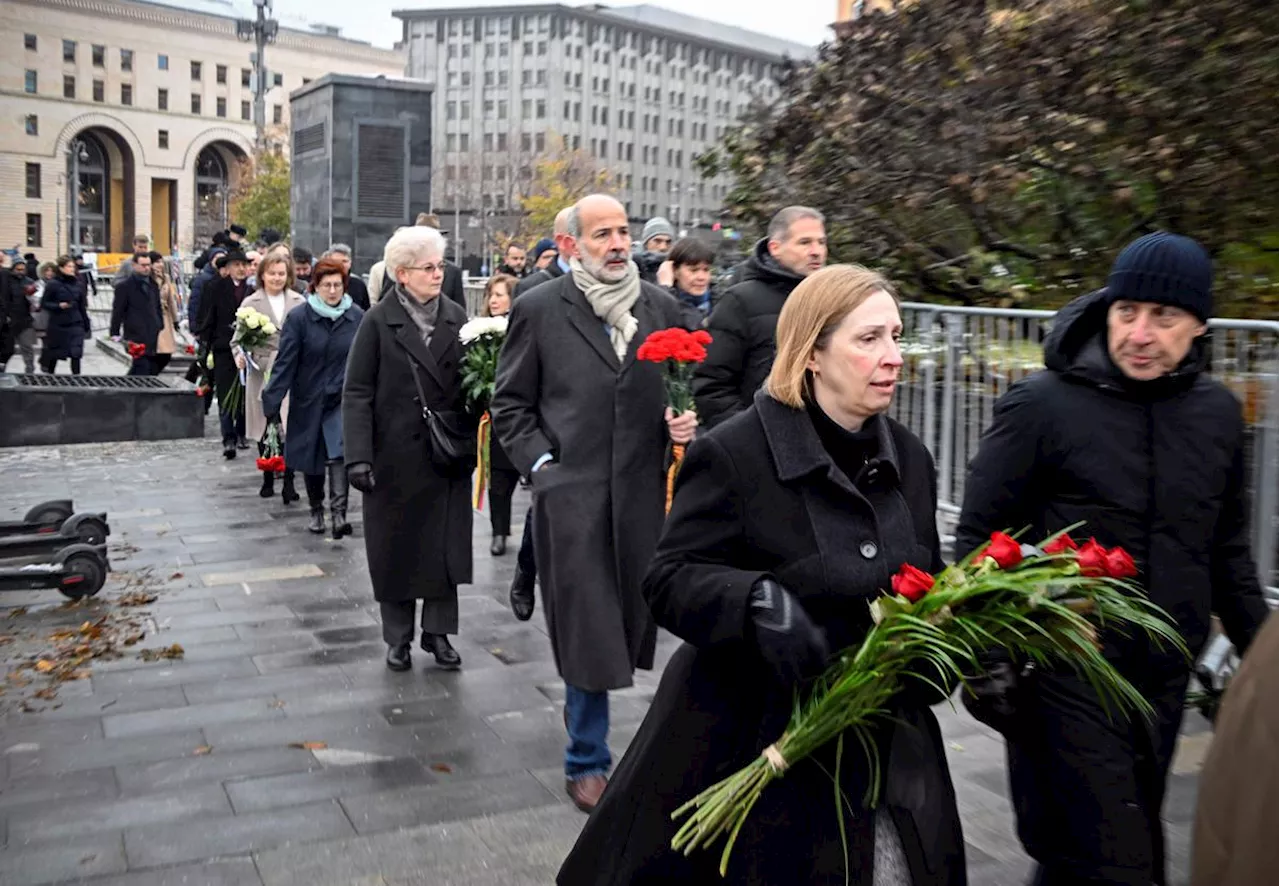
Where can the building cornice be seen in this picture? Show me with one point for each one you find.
(203, 23)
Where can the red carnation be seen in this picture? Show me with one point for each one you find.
(702, 337)
(1092, 558)
(911, 582)
(264, 464)
(191, 349)
(1120, 564)
(1003, 549)
(1060, 544)
(136, 349)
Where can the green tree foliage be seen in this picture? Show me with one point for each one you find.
(1002, 152)
(261, 199)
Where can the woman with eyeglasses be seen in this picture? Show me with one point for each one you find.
(310, 366)
(417, 516)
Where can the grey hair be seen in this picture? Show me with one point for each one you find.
(338, 249)
(780, 224)
(573, 223)
(412, 244)
(561, 225)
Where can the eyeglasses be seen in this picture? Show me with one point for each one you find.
(336, 286)
(430, 269)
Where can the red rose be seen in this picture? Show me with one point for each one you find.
(1060, 544)
(1004, 550)
(701, 336)
(191, 349)
(1120, 564)
(911, 583)
(1092, 558)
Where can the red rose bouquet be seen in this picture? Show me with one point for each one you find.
(136, 349)
(679, 351)
(1042, 603)
(272, 460)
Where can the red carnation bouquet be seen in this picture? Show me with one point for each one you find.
(136, 349)
(679, 350)
(272, 460)
(1042, 603)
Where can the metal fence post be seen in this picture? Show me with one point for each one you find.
(947, 449)
(928, 369)
(1265, 485)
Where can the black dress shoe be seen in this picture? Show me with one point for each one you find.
(438, 645)
(498, 546)
(522, 595)
(242, 443)
(228, 450)
(398, 658)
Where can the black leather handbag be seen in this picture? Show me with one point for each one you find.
(451, 436)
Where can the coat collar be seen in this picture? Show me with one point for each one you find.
(797, 449)
(592, 328)
(448, 320)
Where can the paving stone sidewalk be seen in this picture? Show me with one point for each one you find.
(278, 749)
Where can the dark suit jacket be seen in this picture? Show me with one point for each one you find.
(135, 308)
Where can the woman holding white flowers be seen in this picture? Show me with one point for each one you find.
(503, 476)
(310, 369)
(267, 307)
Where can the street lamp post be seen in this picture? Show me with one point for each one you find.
(260, 31)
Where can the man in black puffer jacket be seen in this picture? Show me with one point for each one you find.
(743, 323)
(1124, 431)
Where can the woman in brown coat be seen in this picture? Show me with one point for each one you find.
(1236, 821)
(166, 342)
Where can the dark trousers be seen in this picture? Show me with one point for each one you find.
(159, 362)
(50, 366)
(502, 487)
(438, 617)
(528, 565)
(141, 366)
(225, 379)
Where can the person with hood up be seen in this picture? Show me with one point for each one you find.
(743, 323)
(1125, 432)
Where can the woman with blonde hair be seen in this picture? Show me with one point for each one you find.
(788, 520)
(166, 342)
(274, 299)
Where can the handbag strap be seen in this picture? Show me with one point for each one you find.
(417, 383)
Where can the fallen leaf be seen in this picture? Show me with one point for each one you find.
(18, 613)
(309, 745)
(135, 598)
(203, 750)
(175, 576)
(174, 651)
(44, 666)
(441, 767)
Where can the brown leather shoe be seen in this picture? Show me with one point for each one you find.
(585, 792)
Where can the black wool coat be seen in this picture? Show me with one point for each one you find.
(759, 496)
(550, 272)
(417, 522)
(743, 328)
(68, 327)
(1158, 468)
(598, 509)
(310, 367)
(135, 311)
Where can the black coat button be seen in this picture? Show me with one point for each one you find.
(868, 550)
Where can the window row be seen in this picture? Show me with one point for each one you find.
(98, 54)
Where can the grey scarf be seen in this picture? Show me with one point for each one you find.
(423, 315)
(611, 302)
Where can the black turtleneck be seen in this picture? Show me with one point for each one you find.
(850, 450)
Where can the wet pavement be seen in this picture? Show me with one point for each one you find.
(278, 749)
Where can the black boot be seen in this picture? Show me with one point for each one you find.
(498, 546)
(228, 449)
(447, 658)
(287, 491)
(398, 658)
(268, 485)
(338, 499)
(522, 594)
(315, 498)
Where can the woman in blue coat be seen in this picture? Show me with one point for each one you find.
(64, 302)
(311, 367)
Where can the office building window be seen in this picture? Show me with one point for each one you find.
(526, 141)
(68, 86)
(29, 41)
(466, 50)
(488, 108)
(33, 180)
(488, 78)
(528, 47)
(568, 105)
(162, 62)
(195, 103)
(99, 91)
(526, 78)
(246, 77)
(541, 108)
(29, 82)
(502, 141)
(196, 70)
(451, 142)
(540, 142)
(488, 145)
(466, 78)
(504, 50)
(33, 124)
(126, 94)
(68, 50)
(99, 56)
(246, 111)
(465, 108)
(504, 78)
(502, 109)
(526, 108)
(220, 74)
(277, 79)
(464, 142)
(220, 107)
(164, 138)
(162, 99)
(451, 110)
(35, 232)
(126, 59)
(540, 78)
(277, 114)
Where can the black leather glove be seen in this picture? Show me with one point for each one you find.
(788, 640)
(360, 475)
(995, 694)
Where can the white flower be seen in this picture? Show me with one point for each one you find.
(252, 321)
(482, 326)
(269, 328)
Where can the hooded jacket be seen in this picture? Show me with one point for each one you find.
(742, 327)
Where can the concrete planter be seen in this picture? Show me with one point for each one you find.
(47, 410)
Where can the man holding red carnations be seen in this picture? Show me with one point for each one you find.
(1125, 432)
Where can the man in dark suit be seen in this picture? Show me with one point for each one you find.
(584, 419)
(221, 299)
(135, 309)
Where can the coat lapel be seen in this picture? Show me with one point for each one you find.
(648, 321)
(587, 323)
(408, 337)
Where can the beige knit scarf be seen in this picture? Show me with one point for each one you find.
(611, 302)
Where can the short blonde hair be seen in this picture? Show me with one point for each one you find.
(810, 317)
(408, 246)
(270, 260)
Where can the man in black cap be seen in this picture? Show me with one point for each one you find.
(237, 235)
(220, 300)
(1125, 432)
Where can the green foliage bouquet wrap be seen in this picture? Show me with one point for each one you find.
(482, 338)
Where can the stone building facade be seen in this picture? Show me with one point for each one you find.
(155, 103)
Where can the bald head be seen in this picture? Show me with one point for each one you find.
(561, 225)
(603, 236)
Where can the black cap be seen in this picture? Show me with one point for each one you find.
(1165, 269)
(238, 229)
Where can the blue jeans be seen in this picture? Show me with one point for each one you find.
(587, 716)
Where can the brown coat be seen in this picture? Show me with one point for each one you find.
(165, 341)
(1236, 819)
(255, 419)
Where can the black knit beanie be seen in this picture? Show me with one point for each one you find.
(1166, 269)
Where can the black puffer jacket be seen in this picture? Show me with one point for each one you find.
(742, 328)
(1157, 467)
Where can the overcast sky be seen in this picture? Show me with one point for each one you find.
(804, 21)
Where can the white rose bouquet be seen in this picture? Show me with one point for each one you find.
(482, 338)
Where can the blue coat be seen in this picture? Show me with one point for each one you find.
(69, 326)
(311, 367)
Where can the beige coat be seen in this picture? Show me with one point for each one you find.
(1236, 819)
(254, 419)
(165, 341)
(377, 273)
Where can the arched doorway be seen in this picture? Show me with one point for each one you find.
(212, 193)
(99, 177)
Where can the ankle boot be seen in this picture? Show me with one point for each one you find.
(338, 498)
(317, 519)
(315, 498)
(287, 491)
(268, 485)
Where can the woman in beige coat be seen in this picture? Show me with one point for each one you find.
(166, 342)
(274, 298)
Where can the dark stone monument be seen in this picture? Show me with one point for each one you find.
(47, 410)
(361, 163)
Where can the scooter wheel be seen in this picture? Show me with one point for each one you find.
(86, 574)
(49, 512)
(92, 531)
